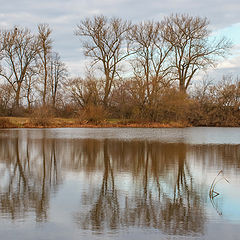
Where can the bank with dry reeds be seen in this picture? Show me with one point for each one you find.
(24, 122)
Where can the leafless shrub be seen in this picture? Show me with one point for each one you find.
(6, 123)
(92, 114)
(41, 117)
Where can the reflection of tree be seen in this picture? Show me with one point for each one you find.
(143, 209)
(185, 207)
(163, 196)
(105, 210)
(160, 191)
(162, 203)
(223, 156)
(30, 175)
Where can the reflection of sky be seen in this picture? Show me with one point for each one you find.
(68, 200)
(228, 201)
(4, 176)
(200, 135)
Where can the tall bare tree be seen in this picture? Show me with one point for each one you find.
(58, 73)
(150, 60)
(193, 48)
(20, 48)
(29, 86)
(105, 44)
(45, 43)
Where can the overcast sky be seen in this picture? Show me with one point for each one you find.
(63, 15)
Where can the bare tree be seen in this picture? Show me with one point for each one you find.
(45, 43)
(193, 48)
(104, 43)
(20, 48)
(6, 97)
(29, 86)
(150, 59)
(58, 73)
(84, 92)
(1, 46)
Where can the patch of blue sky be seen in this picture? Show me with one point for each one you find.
(232, 32)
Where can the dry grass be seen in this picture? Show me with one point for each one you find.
(38, 122)
(7, 123)
(92, 115)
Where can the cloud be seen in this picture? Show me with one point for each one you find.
(63, 15)
(231, 63)
(227, 66)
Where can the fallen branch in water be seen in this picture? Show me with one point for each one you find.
(212, 192)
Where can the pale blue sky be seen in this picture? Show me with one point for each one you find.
(63, 15)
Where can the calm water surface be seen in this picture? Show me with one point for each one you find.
(119, 184)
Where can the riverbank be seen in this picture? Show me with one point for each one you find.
(24, 122)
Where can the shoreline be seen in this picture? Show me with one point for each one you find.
(27, 122)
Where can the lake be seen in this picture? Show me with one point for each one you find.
(128, 183)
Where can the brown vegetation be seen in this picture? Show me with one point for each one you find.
(41, 117)
(13, 122)
(92, 114)
(6, 123)
(161, 58)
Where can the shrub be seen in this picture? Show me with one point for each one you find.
(41, 117)
(92, 114)
(6, 123)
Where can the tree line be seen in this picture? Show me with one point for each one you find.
(135, 71)
(30, 70)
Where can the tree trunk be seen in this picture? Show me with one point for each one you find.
(54, 101)
(45, 80)
(17, 98)
(182, 87)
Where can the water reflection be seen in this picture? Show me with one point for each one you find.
(141, 184)
(29, 172)
(163, 194)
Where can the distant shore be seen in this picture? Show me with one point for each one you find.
(25, 122)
